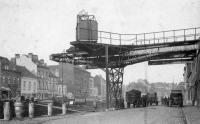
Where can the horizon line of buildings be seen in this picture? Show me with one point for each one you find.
(31, 77)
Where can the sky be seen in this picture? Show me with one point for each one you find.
(45, 27)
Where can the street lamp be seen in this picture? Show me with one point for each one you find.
(62, 82)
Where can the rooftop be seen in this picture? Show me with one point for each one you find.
(25, 72)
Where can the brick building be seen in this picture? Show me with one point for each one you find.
(65, 73)
(40, 70)
(10, 77)
(28, 82)
(81, 82)
(100, 83)
(75, 78)
(93, 91)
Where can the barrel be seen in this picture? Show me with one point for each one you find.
(19, 109)
(31, 110)
(6, 111)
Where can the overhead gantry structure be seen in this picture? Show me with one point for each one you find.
(114, 51)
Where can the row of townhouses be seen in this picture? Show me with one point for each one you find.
(31, 77)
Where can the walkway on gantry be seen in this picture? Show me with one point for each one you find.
(126, 49)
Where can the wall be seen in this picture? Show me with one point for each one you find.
(81, 83)
(192, 79)
(59, 90)
(28, 86)
(66, 71)
(27, 62)
(43, 81)
(100, 83)
(10, 78)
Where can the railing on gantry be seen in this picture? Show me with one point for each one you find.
(149, 38)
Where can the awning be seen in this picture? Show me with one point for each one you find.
(5, 89)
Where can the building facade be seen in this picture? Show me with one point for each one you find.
(192, 80)
(65, 73)
(41, 71)
(93, 91)
(10, 77)
(81, 83)
(74, 78)
(28, 82)
(100, 83)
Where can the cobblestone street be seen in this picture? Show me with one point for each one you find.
(150, 115)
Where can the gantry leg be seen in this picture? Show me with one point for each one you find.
(115, 87)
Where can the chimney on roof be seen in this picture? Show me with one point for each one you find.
(42, 61)
(17, 55)
(30, 55)
(13, 60)
(35, 57)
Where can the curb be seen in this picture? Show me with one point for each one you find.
(186, 117)
(187, 120)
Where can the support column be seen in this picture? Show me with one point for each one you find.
(107, 77)
(116, 81)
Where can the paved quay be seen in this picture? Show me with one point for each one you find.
(150, 115)
(192, 114)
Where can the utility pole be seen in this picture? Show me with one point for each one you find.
(107, 77)
(147, 90)
(62, 81)
(146, 75)
(62, 78)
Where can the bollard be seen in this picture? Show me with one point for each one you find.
(31, 110)
(6, 111)
(64, 108)
(19, 110)
(49, 109)
(125, 104)
(195, 103)
(131, 106)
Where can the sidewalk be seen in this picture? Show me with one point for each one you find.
(192, 114)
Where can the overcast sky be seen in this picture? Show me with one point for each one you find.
(47, 26)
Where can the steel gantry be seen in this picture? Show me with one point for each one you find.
(113, 51)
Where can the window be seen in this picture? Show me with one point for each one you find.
(9, 80)
(34, 86)
(47, 85)
(6, 67)
(24, 85)
(29, 86)
(3, 79)
(39, 84)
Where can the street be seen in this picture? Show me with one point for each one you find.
(149, 115)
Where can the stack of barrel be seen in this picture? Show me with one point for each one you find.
(16, 108)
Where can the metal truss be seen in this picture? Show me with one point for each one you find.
(115, 86)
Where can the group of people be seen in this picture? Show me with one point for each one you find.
(165, 101)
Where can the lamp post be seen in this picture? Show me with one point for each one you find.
(62, 83)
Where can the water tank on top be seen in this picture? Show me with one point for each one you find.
(87, 28)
